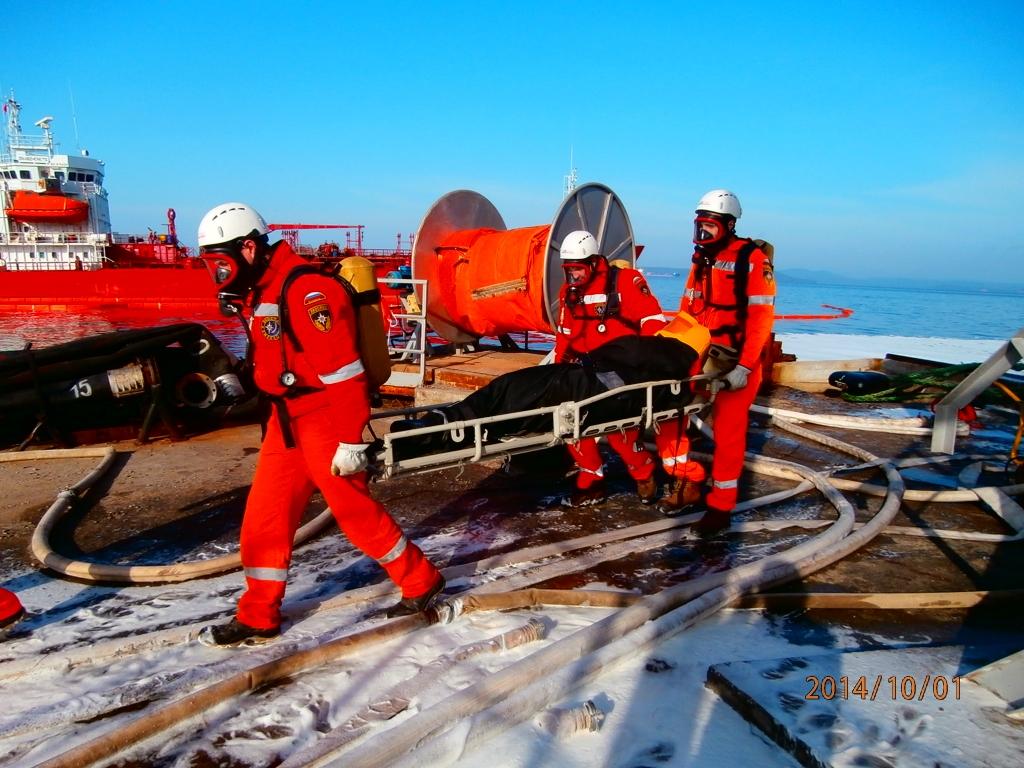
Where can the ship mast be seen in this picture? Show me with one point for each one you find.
(571, 179)
(23, 147)
(13, 111)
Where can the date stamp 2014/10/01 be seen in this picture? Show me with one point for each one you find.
(891, 688)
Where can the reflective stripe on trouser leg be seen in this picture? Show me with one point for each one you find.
(280, 490)
(638, 460)
(363, 520)
(395, 552)
(730, 416)
(587, 456)
(673, 450)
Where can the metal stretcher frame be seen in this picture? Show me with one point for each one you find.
(566, 426)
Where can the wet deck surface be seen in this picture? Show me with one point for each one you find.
(170, 500)
(157, 488)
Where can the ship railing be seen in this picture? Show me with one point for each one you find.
(23, 143)
(57, 238)
(65, 264)
(388, 253)
(470, 442)
(407, 329)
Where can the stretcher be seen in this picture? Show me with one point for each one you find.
(567, 425)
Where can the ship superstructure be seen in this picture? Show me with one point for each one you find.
(55, 214)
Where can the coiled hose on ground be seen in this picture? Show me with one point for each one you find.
(690, 601)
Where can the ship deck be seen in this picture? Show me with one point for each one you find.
(191, 493)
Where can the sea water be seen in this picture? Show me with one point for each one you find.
(914, 314)
(895, 310)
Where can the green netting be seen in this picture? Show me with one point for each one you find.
(927, 386)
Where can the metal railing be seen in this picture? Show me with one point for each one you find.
(58, 238)
(1002, 360)
(566, 426)
(409, 341)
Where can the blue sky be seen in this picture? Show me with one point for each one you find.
(862, 138)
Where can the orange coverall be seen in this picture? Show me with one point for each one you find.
(329, 403)
(711, 297)
(582, 327)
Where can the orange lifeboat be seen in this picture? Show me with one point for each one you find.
(47, 206)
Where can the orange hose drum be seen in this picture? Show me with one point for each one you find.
(493, 282)
(486, 280)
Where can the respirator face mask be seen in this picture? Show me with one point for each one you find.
(232, 275)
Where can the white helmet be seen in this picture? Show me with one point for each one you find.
(722, 202)
(578, 245)
(229, 221)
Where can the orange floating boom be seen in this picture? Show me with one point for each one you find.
(841, 310)
(842, 313)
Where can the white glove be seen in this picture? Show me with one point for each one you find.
(349, 459)
(737, 377)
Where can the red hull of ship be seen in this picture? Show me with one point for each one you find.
(169, 288)
(186, 288)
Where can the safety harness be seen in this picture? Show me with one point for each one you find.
(613, 302)
(288, 378)
(741, 276)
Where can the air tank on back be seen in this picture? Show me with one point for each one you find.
(485, 279)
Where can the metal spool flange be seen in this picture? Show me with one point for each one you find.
(457, 211)
(597, 209)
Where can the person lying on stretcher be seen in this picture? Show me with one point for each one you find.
(675, 352)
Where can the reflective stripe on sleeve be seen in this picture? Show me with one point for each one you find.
(266, 310)
(765, 299)
(596, 298)
(726, 483)
(395, 552)
(671, 461)
(598, 472)
(564, 331)
(730, 266)
(267, 574)
(654, 317)
(342, 374)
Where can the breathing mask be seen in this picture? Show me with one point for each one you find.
(711, 231)
(233, 275)
(578, 273)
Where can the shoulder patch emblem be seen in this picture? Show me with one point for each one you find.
(320, 315)
(270, 327)
(640, 283)
(313, 298)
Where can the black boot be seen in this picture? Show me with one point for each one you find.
(410, 605)
(235, 633)
(714, 521)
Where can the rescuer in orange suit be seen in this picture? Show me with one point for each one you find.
(305, 360)
(731, 292)
(599, 303)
